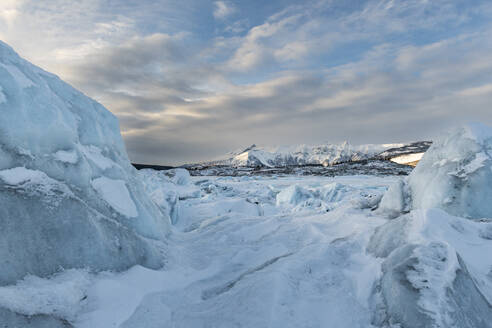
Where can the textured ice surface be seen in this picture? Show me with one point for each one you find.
(237, 258)
(293, 195)
(455, 174)
(69, 198)
(60, 296)
(167, 188)
(328, 197)
(20, 175)
(69, 157)
(242, 261)
(434, 274)
(396, 200)
(115, 193)
(2, 96)
(16, 320)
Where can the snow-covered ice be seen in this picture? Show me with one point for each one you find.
(20, 175)
(435, 273)
(69, 157)
(62, 295)
(287, 252)
(115, 193)
(455, 174)
(237, 246)
(69, 197)
(240, 240)
(312, 249)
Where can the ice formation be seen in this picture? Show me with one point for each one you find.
(396, 200)
(455, 174)
(69, 196)
(167, 188)
(433, 274)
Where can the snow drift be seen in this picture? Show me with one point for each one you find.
(69, 196)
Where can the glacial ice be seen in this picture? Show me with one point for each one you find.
(455, 174)
(293, 195)
(116, 194)
(68, 193)
(2, 96)
(59, 296)
(69, 157)
(167, 188)
(396, 200)
(233, 244)
(433, 274)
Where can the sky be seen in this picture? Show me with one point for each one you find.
(190, 80)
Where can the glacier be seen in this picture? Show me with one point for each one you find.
(86, 241)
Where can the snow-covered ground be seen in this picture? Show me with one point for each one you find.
(245, 252)
(263, 252)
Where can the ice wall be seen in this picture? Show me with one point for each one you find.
(69, 196)
(455, 174)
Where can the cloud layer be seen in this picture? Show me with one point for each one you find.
(190, 80)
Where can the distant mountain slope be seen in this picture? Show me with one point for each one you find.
(326, 155)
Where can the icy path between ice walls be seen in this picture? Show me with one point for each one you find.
(257, 252)
(283, 252)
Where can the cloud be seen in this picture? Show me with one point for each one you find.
(223, 9)
(320, 71)
(9, 10)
